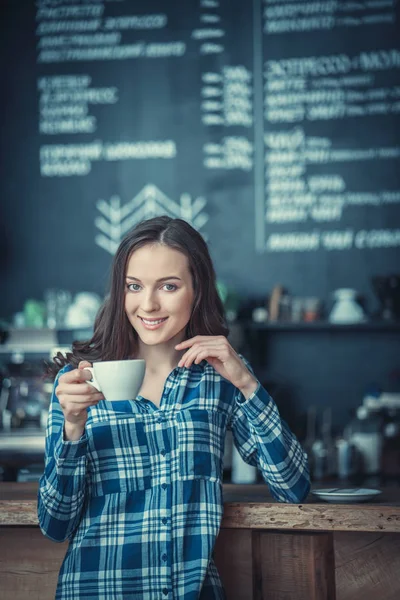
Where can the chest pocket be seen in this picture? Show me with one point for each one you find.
(119, 458)
(201, 435)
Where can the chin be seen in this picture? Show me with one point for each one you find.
(153, 340)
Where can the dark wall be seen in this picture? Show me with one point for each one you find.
(273, 127)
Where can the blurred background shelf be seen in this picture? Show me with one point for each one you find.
(368, 326)
(42, 341)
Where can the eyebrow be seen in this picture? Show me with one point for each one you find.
(158, 280)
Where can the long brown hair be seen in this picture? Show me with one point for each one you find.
(114, 337)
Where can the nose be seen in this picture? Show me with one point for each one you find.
(149, 302)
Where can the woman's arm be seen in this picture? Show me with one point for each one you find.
(264, 440)
(62, 486)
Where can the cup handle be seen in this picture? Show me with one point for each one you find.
(93, 381)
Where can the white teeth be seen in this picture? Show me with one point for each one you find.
(153, 322)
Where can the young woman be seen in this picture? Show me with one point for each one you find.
(135, 485)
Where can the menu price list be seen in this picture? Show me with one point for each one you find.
(314, 172)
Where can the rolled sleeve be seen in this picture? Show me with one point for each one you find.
(70, 451)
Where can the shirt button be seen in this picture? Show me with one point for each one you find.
(164, 557)
(164, 520)
(163, 453)
(164, 486)
(165, 592)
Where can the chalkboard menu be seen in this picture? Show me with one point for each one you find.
(272, 126)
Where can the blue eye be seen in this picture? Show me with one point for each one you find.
(171, 287)
(133, 287)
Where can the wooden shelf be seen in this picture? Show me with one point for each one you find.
(384, 326)
(42, 341)
(272, 327)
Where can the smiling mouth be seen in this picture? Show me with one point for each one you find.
(153, 321)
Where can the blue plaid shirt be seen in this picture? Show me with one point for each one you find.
(139, 496)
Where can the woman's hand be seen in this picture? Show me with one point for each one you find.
(76, 395)
(218, 352)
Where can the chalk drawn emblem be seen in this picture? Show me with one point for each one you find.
(116, 219)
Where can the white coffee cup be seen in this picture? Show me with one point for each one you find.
(118, 379)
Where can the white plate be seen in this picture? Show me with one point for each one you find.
(344, 495)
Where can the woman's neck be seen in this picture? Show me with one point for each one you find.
(161, 357)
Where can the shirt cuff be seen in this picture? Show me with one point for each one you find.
(70, 450)
(258, 404)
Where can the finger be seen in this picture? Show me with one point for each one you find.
(74, 376)
(76, 388)
(79, 403)
(207, 354)
(203, 351)
(191, 341)
(208, 342)
(83, 368)
(185, 360)
(86, 374)
(189, 356)
(201, 338)
(84, 363)
(81, 400)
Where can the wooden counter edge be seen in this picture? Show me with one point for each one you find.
(255, 515)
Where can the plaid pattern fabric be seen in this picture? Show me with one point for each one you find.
(139, 496)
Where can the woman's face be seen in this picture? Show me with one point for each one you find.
(158, 294)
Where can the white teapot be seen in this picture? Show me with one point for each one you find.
(346, 308)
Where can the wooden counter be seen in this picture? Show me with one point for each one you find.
(265, 551)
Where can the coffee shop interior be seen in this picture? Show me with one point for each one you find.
(274, 130)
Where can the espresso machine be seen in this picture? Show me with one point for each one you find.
(387, 290)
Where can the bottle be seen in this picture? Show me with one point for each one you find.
(310, 436)
(391, 451)
(327, 437)
(324, 454)
(391, 438)
(319, 449)
(367, 437)
(319, 460)
(344, 448)
(349, 460)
